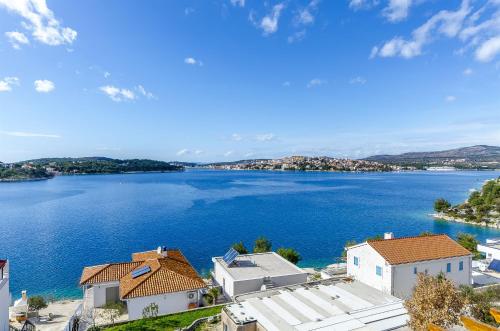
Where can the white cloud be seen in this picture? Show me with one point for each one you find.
(44, 86)
(29, 134)
(397, 10)
(305, 16)
(106, 74)
(236, 137)
(17, 39)
(297, 36)
(118, 94)
(184, 151)
(357, 80)
(7, 83)
(266, 137)
(240, 3)
(468, 72)
(198, 152)
(192, 61)
(488, 50)
(40, 20)
(362, 4)
(145, 93)
(228, 153)
(450, 98)
(447, 23)
(269, 23)
(316, 82)
(286, 84)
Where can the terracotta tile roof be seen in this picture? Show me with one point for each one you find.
(3, 263)
(107, 272)
(172, 273)
(415, 249)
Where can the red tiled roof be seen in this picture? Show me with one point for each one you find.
(415, 249)
(172, 273)
(3, 263)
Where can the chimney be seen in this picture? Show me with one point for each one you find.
(388, 235)
(162, 250)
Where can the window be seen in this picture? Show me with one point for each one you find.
(378, 270)
(356, 260)
(415, 270)
(461, 265)
(448, 267)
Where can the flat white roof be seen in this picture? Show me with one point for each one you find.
(259, 265)
(324, 305)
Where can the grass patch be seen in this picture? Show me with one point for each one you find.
(168, 322)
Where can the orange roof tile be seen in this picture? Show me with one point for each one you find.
(415, 249)
(106, 272)
(172, 273)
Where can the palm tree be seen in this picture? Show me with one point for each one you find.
(214, 294)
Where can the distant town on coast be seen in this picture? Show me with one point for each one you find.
(468, 158)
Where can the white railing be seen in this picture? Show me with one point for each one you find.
(76, 314)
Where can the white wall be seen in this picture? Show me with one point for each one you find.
(365, 272)
(4, 300)
(490, 252)
(399, 280)
(233, 287)
(167, 303)
(223, 278)
(97, 294)
(405, 278)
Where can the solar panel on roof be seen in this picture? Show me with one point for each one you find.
(230, 256)
(141, 271)
(494, 265)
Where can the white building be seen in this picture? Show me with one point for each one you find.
(4, 295)
(163, 277)
(392, 265)
(255, 272)
(491, 249)
(324, 305)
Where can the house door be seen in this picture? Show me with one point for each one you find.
(112, 294)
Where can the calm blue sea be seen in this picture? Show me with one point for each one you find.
(51, 229)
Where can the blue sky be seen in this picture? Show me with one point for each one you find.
(233, 79)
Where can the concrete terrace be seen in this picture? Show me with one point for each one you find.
(252, 266)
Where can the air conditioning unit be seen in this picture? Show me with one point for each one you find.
(191, 295)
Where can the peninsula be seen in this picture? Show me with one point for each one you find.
(481, 208)
(46, 168)
(303, 163)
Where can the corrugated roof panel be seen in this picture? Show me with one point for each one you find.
(281, 311)
(326, 305)
(345, 297)
(305, 309)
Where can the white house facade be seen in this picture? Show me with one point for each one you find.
(4, 295)
(491, 249)
(392, 265)
(163, 277)
(255, 272)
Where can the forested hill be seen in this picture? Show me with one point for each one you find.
(48, 167)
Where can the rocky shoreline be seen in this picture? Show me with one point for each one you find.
(444, 217)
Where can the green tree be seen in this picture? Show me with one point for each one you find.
(212, 295)
(469, 242)
(240, 248)
(289, 254)
(425, 234)
(480, 302)
(262, 245)
(441, 205)
(36, 303)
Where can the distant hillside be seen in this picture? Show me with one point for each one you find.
(480, 156)
(48, 167)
